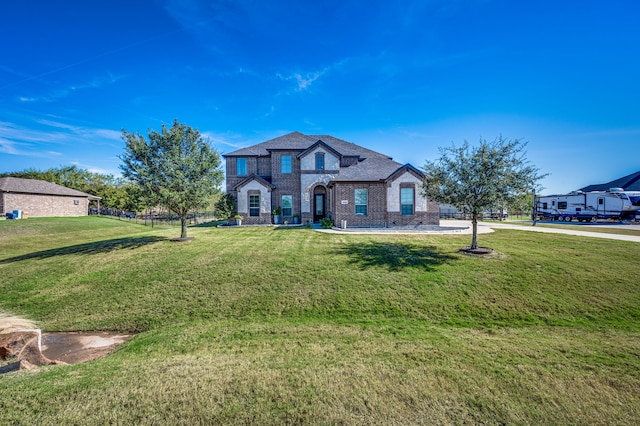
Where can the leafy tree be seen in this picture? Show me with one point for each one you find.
(521, 204)
(175, 168)
(226, 206)
(474, 179)
(112, 190)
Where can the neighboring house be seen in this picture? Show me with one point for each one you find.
(628, 183)
(321, 176)
(38, 198)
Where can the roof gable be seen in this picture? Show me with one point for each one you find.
(628, 183)
(319, 143)
(292, 141)
(406, 168)
(255, 178)
(34, 186)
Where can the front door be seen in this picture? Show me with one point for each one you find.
(318, 207)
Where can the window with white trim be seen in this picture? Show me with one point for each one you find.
(361, 200)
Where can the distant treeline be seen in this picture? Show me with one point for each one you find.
(116, 193)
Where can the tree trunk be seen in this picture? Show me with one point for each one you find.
(183, 226)
(474, 239)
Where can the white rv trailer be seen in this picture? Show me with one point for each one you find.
(590, 206)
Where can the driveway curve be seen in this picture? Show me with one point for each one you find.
(458, 227)
(529, 228)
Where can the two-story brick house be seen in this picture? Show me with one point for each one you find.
(313, 177)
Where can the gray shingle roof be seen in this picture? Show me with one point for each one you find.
(299, 141)
(33, 186)
(373, 166)
(628, 183)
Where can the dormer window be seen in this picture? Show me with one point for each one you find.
(320, 161)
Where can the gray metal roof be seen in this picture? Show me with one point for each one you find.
(628, 183)
(373, 166)
(33, 186)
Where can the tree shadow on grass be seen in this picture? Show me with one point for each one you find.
(97, 247)
(395, 256)
(209, 224)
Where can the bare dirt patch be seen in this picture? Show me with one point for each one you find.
(483, 252)
(78, 347)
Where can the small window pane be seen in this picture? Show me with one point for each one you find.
(406, 201)
(254, 205)
(319, 205)
(285, 163)
(361, 199)
(287, 205)
(241, 166)
(319, 161)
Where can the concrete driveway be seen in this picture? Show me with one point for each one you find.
(588, 232)
(458, 227)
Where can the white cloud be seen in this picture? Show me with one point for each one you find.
(92, 169)
(221, 139)
(8, 147)
(83, 131)
(37, 142)
(302, 81)
(55, 94)
(24, 149)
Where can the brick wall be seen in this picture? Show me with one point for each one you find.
(383, 207)
(232, 177)
(377, 215)
(285, 183)
(344, 204)
(35, 205)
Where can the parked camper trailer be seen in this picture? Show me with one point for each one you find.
(590, 206)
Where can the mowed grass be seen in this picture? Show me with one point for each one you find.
(291, 326)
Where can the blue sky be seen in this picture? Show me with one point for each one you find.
(402, 78)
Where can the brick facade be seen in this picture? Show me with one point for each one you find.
(37, 205)
(344, 168)
(345, 207)
(287, 183)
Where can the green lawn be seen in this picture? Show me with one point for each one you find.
(258, 325)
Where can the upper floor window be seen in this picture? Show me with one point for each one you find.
(361, 200)
(285, 164)
(241, 166)
(406, 201)
(287, 205)
(320, 161)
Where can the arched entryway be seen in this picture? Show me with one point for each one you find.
(319, 203)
